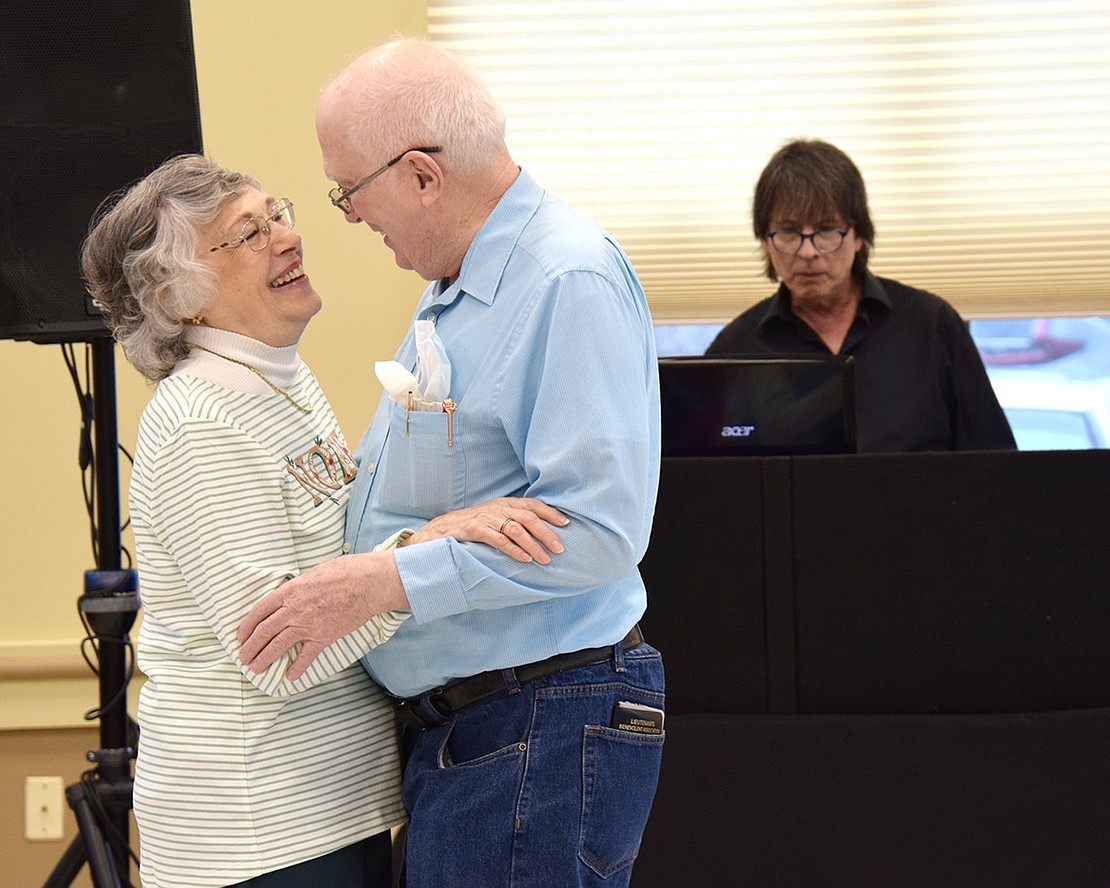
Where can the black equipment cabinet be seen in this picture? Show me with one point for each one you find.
(882, 670)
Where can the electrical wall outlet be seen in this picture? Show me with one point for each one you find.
(43, 808)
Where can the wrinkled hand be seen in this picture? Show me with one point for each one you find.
(318, 607)
(518, 526)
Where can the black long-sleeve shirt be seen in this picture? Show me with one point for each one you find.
(920, 382)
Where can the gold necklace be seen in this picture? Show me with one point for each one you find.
(288, 397)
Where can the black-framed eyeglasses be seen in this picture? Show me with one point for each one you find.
(255, 232)
(342, 199)
(825, 240)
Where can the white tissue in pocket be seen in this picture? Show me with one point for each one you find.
(401, 386)
(395, 379)
(433, 367)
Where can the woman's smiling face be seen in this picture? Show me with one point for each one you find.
(262, 293)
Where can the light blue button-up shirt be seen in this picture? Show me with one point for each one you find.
(554, 373)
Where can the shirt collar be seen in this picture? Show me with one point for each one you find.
(489, 252)
(873, 296)
(874, 293)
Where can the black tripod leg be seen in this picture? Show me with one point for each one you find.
(66, 870)
(90, 846)
(101, 865)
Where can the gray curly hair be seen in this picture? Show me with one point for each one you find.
(140, 262)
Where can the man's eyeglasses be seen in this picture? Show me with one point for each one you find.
(342, 199)
(255, 232)
(825, 240)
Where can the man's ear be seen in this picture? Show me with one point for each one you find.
(428, 174)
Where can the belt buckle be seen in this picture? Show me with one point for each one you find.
(425, 711)
(434, 698)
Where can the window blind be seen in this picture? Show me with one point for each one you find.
(981, 127)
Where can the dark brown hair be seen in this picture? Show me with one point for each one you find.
(810, 180)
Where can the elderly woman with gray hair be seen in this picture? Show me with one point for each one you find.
(240, 481)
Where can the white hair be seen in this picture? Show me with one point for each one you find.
(412, 94)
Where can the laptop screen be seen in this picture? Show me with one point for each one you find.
(757, 405)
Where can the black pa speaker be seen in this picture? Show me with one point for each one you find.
(93, 96)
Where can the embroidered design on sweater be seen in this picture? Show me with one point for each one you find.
(324, 468)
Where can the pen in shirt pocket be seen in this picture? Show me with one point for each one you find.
(449, 407)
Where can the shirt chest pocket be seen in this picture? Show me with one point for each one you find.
(423, 474)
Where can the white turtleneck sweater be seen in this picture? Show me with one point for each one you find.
(233, 490)
(279, 365)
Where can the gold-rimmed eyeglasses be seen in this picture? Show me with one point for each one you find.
(255, 232)
(342, 199)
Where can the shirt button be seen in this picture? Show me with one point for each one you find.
(346, 548)
(370, 468)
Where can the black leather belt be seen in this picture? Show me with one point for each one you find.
(437, 705)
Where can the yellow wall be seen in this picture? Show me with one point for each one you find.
(259, 69)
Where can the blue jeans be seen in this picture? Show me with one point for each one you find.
(534, 789)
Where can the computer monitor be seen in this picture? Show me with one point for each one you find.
(757, 405)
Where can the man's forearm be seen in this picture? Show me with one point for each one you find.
(319, 606)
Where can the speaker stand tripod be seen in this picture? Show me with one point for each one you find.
(101, 801)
